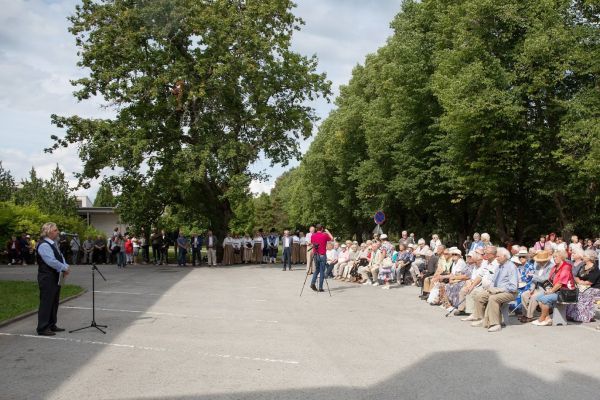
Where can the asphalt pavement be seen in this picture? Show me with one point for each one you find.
(245, 333)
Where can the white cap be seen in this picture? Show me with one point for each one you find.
(383, 236)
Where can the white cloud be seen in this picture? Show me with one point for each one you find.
(258, 187)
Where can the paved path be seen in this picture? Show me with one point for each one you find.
(244, 333)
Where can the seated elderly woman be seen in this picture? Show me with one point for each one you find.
(352, 263)
(561, 277)
(437, 282)
(342, 261)
(460, 274)
(577, 260)
(404, 262)
(385, 270)
(379, 254)
(588, 282)
(542, 266)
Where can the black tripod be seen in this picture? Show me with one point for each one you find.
(93, 324)
(306, 277)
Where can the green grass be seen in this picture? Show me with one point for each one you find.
(18, 297)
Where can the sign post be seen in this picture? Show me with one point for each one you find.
(379, 219)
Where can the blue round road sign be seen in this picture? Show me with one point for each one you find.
(379, 217)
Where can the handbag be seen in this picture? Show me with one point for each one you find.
(568, 295)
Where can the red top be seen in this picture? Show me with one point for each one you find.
(320, 239)
(563, 275)
(128, 246)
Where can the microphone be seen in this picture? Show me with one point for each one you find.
(68, 234)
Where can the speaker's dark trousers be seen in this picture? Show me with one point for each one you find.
(49, 296)
(287, 257)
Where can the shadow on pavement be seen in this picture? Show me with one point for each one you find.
(446, 375)
(32, 362)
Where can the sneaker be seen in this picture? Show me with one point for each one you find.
(536, 322)
(546, 322)
(469, 318)
(385, 287)
(376, 284)
(477, 323)
(495, 328)
(367, 283)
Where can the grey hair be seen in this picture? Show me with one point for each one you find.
(503, 252)
(591, 254)
(485, 237)
(46, 228)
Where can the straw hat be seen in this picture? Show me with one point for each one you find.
(542, 256)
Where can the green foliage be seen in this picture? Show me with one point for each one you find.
(105, 197)
(8, 187)
(17, 219)
(475, 115)
(51, 196)
(200, 90)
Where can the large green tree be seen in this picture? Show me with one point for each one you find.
(52, 196)
(200, 89)
(7, 184)
(105, 197)
(475, 115)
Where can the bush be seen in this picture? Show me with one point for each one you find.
(17, 219)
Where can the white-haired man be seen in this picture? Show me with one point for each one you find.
(503, 290)
(50, 264)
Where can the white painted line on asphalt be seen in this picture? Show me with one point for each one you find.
(133, 293)
(166, 314)
(271, 360)
(129, 346)
(147, 348)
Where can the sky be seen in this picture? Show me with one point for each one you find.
(38, 59)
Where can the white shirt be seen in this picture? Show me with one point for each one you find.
(487, 272)
(332, 255)
(295, 239)
(287, 241)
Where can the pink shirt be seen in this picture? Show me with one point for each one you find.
(320, 239)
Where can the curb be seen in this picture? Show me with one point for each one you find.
(29, 313)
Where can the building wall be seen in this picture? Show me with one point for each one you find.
(106, 223)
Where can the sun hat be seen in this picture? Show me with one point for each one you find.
(542, 256)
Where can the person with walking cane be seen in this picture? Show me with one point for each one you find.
(319, 241)
(51, 264)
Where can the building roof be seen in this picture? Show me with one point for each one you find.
(96, 210)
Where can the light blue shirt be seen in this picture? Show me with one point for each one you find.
(476, 245)
(47, 255)
(507, 277)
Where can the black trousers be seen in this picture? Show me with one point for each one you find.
(287, 257)
(196, 255)
(49, 296)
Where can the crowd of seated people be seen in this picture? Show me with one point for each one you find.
(478, 284)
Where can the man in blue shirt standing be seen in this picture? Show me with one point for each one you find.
(503, 290)
(182, 247)
(50, 264)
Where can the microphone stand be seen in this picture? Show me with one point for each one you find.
(93, 324)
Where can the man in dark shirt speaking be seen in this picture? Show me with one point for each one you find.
(319, 241)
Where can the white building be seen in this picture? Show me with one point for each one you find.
(105, 219)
